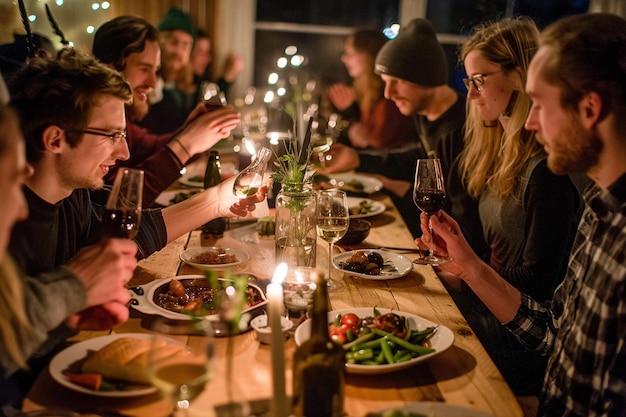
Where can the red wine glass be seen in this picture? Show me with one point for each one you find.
(429, 195)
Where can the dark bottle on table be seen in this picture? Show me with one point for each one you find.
(318, 365)
(213, 176)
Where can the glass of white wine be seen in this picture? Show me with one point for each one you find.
(333, 218)
(250, 179)
(180, 361)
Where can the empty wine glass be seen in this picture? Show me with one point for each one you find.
(250, 179)
(429, 195)
(123, 209)
(180, 370)
(332, 217)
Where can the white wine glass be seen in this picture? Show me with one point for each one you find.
(332, 220)
(429, 195)
(123, 209)
(180, 360)
(250, 179)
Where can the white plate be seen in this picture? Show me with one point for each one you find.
(402, 263)
(78, 351)
(440, 341)
(434, 409)
(165, 198)
(370, 184)
(187, 255)
(377, 207)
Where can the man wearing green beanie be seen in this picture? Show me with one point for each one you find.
(173, 98)
(414, 69)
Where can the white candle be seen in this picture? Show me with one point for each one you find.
(280, 405)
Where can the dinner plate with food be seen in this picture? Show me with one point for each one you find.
(360, 331)
(185, 297)
(213, 258)
(373, 264)
(192, 179)
(351, 183)
(169, 197)
(364, 207)
(107, 366)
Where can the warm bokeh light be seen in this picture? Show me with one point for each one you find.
(282, 62)
(272, 78)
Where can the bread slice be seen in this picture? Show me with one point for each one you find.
(126, 359)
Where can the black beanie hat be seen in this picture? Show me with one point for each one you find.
(176, 19)
(414, 55)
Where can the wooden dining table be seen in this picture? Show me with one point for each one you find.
(463, 375)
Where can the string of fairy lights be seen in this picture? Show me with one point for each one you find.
(78, 19)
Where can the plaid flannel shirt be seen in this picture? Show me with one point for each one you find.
(584, 326)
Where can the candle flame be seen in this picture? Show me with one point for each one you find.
(280, 273)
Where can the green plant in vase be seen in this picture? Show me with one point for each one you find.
(296, 239)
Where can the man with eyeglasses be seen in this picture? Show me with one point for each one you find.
(130, 45)
(413, 67)
(73, 119)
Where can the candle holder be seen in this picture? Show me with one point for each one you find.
(298, 288)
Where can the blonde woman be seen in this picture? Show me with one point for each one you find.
(528, 214)
(15, 328)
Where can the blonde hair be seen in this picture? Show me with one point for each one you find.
(14, 324)
(493, 157)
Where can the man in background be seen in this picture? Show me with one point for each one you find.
(130, 45)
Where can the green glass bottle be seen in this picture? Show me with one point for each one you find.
(213, 176)
(318, 365)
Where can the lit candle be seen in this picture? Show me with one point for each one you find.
(280, 405)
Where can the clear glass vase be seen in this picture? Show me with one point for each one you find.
(296, 239)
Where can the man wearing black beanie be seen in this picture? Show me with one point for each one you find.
(413, 67)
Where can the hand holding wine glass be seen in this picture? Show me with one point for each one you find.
(123, 209)
(429, 195)
(333, 218)
(181, 374)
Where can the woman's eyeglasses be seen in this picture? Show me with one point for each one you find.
(477, 81)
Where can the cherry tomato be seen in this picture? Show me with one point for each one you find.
(337, 334)
(351, 320)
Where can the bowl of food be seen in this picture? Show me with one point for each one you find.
(188, 297)
(358, 230)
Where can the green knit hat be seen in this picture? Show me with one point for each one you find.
(414, 55)
(176, 19)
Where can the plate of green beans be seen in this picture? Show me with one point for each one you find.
(380, 340)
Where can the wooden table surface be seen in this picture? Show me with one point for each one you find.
(463, 375)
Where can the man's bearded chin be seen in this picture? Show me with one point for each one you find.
(579, 153)
(137, 111)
